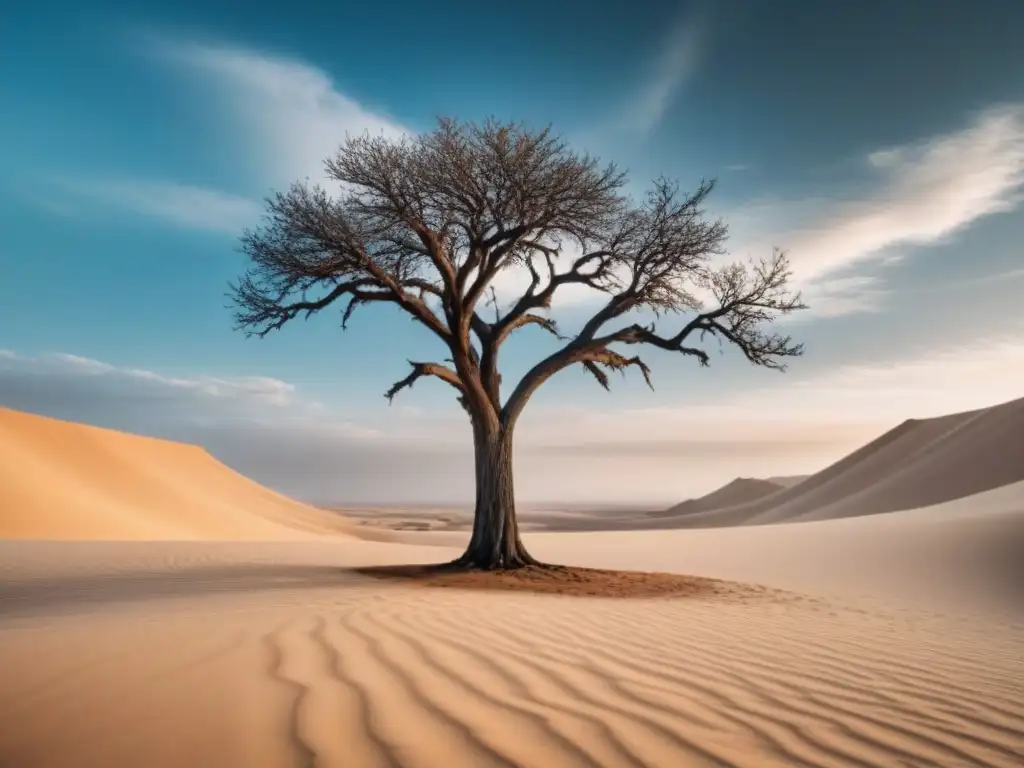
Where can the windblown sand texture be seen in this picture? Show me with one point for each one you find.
(180, 615)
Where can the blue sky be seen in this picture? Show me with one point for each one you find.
(881, 143)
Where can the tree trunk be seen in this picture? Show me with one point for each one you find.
(495, 543)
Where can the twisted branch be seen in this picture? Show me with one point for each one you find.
(749, 299)
(615, 362)
(429, 223)
(419, 370)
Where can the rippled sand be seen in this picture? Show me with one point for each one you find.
(240, 655)
(883, 640)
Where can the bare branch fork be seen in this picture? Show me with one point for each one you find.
(419, 370)
(430, 224)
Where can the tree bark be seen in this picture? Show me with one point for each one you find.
(495, 543)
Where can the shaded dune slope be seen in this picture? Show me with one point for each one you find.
(917, 464)
(963, 553)
(740, 491)
(61, 480)
(787, 481)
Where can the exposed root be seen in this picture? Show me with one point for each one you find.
(474, 562)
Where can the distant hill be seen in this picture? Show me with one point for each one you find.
(918, 463)
(788, 481)
(739, 491)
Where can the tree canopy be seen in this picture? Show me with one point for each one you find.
(430, 223)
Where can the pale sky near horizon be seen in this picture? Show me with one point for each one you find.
(881, 144)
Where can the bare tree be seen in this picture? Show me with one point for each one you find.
(429, 223)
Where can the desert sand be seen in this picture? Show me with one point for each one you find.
(158, 609)
(73, 482)
(917, 464)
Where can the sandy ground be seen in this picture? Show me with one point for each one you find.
(271, 655)
(883, 640)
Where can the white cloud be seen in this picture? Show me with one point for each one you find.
(294, 109)
(291, 110)
(838, 296)
(923, 193)
(929, 191)
(932, 383)
(68, 381)
(179, 204)
(83, 365)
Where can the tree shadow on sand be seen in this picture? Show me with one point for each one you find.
(554, 579)
(82, 593)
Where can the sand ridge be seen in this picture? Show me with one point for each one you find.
(60, 480)
(742, 490)
(917, 464)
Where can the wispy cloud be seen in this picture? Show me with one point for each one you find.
(998, 277)
(64, 381)
(676, 62)
(927, 192)
(293, 109)
(849, 295)
(290, 112)
(922, 194)
(930, 383)
(178, 204)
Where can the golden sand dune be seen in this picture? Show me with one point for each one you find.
(60, 480)
(917, 464)
(277, 654)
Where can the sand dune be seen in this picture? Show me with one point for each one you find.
(787, 481)
(60, 480)
(960, 555)
(740, 491)
(917, 464)
(204, 652)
